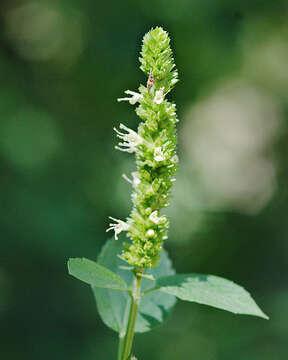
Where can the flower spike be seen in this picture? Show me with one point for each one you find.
(154, 145)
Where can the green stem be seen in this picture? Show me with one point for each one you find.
(149, 290)
(120, 347)
(125, 344)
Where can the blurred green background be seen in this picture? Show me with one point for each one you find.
(63, 64)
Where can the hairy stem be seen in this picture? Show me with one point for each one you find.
(125, 344)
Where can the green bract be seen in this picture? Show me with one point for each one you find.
(155, 148)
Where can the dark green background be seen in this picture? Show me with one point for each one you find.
(63, 64)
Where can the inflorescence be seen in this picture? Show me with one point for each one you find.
(154, 145)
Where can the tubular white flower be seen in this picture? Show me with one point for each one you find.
(155, 218)
(130, 140)
(175, 159)
(136, 97)
(118, 227)
(159, 154)
(159, 96)
(135, 181)
(174, 81)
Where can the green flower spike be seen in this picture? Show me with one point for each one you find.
(154, 145)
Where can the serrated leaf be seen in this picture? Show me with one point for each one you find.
(210, 290)
(113, 306)
(94, 274)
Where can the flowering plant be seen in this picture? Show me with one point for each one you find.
(137, 297)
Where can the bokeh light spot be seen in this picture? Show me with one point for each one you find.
(43, 31)
(228, 139)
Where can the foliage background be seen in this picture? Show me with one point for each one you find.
(63, 64)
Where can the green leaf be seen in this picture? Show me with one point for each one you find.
(210, 290)
(94, 274)
(113, 306)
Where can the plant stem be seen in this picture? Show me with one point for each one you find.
(125, 344)
(120, 347)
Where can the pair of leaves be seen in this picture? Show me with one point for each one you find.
(106, 279)
(113, 306)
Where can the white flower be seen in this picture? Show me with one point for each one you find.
(159, 96)
(130, 140)
(133, 99)
(135, 181)
(150, 233)
(175, 159)
(118, 227)
(175, 79)
(155, 218)
(158, 154)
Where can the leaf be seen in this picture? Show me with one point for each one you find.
(94, 274)
(210, 290)
(113, 306)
